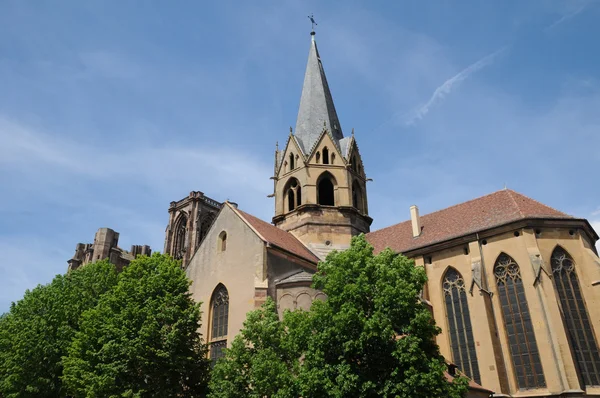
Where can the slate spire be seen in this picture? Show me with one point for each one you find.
(316, 104)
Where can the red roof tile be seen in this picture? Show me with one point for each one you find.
(278, 237)
(476, 215)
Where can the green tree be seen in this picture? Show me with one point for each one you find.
(262, 360)
(372, 337)
(36, 332)
(142, 339)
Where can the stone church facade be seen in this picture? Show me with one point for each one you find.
(512, 283)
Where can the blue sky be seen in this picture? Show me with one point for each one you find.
(110, 110)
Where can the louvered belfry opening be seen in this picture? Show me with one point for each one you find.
(576, 318)
(459, 324)
(517, 321)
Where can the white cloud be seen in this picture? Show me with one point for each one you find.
(446, 88)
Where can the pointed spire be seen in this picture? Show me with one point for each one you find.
(316, 104)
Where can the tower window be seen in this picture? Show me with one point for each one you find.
(219, 322)
(325, 194)
(294, 194)
(223, 241)
(318, 157)
(357, 197)
(576, 317)
(517, 322)
(459, 324)
(325, 155)
(203, 227)
(180, 237)
(292, 164)
(332, 158)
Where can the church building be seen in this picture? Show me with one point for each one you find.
(512, 283)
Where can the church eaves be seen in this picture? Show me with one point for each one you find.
(316, 110)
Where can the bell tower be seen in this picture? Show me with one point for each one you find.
(320, 182)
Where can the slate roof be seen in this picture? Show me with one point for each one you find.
(278, 237)
(476, 215)
(316, 105)
(300, 276)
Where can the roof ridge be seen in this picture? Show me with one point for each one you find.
(510, 191)
(536, 201)
(440, 210)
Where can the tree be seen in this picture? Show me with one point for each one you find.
(36, 332)
(372, 337)
(261, 362)
(142, 339)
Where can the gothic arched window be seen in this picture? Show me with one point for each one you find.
(318, 157)
(459, 324)
(294, 194)
(517, 321)
(325, 155)
(325, 194)
(203, 227)
(180, 237)
(579, 328)
(291, 161)
(357, 197)
(219, 306)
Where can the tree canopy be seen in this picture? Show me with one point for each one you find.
(98, 333)
(372, 337)
(38, 329)
(142, 339)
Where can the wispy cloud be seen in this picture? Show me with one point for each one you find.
(451, 84)
(568, 15)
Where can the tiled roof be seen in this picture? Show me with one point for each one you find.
(278, 237)
(476, 215)
(472, 385)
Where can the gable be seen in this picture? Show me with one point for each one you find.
(326, 147)
(355, 160)
(291, 148)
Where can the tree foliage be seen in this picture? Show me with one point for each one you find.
(36, 332)
(261, 362)
(372, 337)
(142, 339)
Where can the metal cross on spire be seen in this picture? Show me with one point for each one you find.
(312, 21)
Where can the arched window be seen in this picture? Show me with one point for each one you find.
(325, 194)
(223, 241)
(180, 237)
(459, 324)
(294, 194)
(354, 165)
(357, 197)
(318, 157)
(219, 305)
(579, 328)
(517, 321)
(292, 167)
(325, 155)
(332, 158)
(203, 226)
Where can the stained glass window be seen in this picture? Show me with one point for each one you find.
(220, 320)
(577, 321)
(459, 325)
(517, 321)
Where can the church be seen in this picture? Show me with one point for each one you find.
(512, 283)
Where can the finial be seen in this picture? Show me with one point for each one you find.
(352, 131)
(313, 24)
(504, 185)
(324, 123)
(290, 129)
(276, 145)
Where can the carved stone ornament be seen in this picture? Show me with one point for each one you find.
(476, 273)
